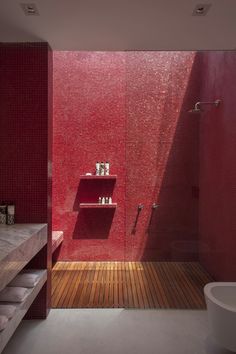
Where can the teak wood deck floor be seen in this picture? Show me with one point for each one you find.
(176, 285)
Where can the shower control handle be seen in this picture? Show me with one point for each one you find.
(155, 206)
(140, 207)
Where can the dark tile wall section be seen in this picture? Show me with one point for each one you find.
(25, 135)
(129, 109)
(217, 222)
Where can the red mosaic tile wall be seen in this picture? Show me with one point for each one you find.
(89, 126)
(129, 109)
(26, 136)
(217, 222)
(24, 129)
(162, 156)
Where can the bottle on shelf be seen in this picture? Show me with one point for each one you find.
(103, 200)
(100, 200)
(110, 200)
(97, 168)
(3, 213)
(107, 168)
(102, 168)
(10, 214)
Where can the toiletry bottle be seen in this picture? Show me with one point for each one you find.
(103, 200)
(106, 200)
(3, 213)
(10, 214)
(110, 200)
(107, 168)
(97, 168)
(102, 168)
(100, 200)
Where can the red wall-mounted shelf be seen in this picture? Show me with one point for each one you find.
(97, 206)
(98, 177)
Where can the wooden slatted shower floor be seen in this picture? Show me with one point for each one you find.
(129, 284)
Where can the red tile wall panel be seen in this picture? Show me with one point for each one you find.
(26, 137)
(89, 126)
(217, 222)
(162, 156)
(129, 109)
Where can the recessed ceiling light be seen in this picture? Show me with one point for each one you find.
(30, 9)
(201, 9)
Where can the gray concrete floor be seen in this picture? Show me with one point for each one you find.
(115, 331)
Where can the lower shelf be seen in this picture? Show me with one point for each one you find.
(21, 309)
(97, 206)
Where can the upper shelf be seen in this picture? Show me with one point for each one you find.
(98, 177)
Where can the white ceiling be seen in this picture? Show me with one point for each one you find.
(121, 24)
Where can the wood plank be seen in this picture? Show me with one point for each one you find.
(146, 288)
(190, 287)
(124, 286)
(106, 291)
(79, 271)
(151, 284)
(72, 274)
(175, 285)
(94, 285)
(80, 283)
(162, 299)
(102, 285)
(129, 286)
(61, 286)
(82, 300)
(90, 284)
(120, 286)
(111, 289)
(167, 288)
(134, 284)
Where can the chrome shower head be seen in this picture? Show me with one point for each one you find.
(197, 106)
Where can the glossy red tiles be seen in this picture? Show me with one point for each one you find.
(217, 222)
(161, 155)
(129, 109)
(89, 126)
(26, 139)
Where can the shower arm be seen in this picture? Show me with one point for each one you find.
(215, 103)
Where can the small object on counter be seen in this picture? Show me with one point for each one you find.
(107, 168)
(88, 174)
(103, 200)
(100, 200)
(7, 310)
(102, 169)
(3, 214)
(98, 165)
(3, 322)
(106, 200)
(110, 200)
(11, 214)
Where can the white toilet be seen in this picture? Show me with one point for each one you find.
(221, 306)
